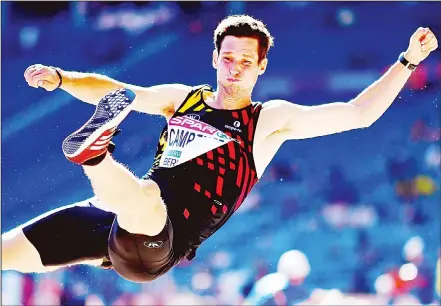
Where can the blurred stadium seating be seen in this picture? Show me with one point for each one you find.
(363, 207)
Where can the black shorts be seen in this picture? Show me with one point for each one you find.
(80, 232)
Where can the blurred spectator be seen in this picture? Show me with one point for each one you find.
(425, 130)
(339, 189)
(286, 170)
(424, 280)
(419, 80)
(285, 286)
(432, 157)
(402, 168)
(367, 259)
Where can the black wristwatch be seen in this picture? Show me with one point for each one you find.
(406, 63)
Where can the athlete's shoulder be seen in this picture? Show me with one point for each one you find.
(274, 104)
(256, 108)
(190, 92)
(201, 87)
(280, 108)
(271, 115)
(196, 90)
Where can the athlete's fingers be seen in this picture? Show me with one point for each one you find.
(28, 70)
(34, 73)
(430, 46)
(46, 85)
(44, 71)
(421, 33)
(427, 37)
(433, 46)
(45, 74)
(428, 43)
(33, 80)
(33, 68)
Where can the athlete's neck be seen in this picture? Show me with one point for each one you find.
(231, 101)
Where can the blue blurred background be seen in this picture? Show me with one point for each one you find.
(361, 208)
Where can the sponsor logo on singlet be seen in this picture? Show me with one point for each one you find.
(194, 116)
(235, 126)
(153, 244)
(189, 138)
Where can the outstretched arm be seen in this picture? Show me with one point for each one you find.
(297, 122)
(91, 87)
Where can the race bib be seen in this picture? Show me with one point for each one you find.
(189, 138)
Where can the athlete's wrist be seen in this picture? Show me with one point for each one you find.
(58, 71)
(408, 61)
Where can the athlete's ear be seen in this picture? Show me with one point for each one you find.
(215, 58)
(262, 66)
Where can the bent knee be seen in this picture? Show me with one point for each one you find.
(148, 219)
(150, 188)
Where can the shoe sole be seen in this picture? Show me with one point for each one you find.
(109, 113)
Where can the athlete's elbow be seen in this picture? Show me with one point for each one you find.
(365, 119)
(368, 121)
(365, 124)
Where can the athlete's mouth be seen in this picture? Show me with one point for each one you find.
(233, 80)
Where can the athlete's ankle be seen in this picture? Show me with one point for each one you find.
(98, 159)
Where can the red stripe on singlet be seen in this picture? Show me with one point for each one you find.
(239, 173)
(219, 185)
(251, 130)
(210, 155)
(235, 115)
(244, 186)
(245, 116)
(231, 151)
(241, 141)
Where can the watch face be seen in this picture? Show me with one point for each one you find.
(406, 63)
(411, 66)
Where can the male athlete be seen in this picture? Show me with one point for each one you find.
(212, 152)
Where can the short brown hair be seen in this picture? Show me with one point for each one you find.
(244, 26)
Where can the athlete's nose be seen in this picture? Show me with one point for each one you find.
(235, 70)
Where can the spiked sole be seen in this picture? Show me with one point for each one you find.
(93, 138)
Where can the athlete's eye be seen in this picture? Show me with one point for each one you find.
(247, 62)
(227, 59)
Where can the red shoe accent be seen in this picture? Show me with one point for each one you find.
(97, 148)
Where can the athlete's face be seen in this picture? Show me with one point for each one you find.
(237, 63)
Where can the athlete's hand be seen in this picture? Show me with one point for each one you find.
(42, 76)
(421, 44)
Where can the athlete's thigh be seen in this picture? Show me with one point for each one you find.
(19, 254)
(70, 234)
